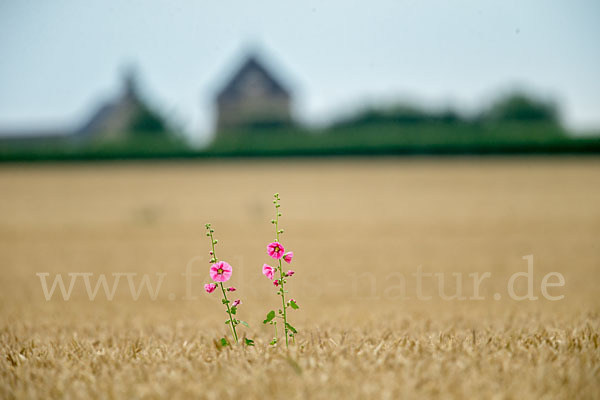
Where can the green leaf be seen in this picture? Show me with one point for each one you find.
(270, 317)
(294, 305)
(249, 342)
(244, 323)
(291, 328)
(228, 321)
(273, 341)
(224, 342)
(233, 310)
(224, 301)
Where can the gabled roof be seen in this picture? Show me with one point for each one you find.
(117, 111)
(98, 120)
(252, 66)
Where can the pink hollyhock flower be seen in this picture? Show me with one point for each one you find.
(276, 282)
(275, 250)
(289, 273)
(287, 257)
(210, 287)
(231, 289)
(236, 303)
(268, 271)
(220, 272)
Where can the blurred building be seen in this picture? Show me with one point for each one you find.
(121, 117)
(253, 97)
(124, 117)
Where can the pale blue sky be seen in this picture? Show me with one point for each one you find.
(59, 58)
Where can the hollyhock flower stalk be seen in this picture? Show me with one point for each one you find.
(277, 251)
(220, 272)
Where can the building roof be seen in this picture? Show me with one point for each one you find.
(251, 77)
(116, 114)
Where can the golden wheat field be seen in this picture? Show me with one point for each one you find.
(361, 231)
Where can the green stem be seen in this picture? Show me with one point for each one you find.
(277, 223)
(285, 328)
(214, 256)
(283, 304)
(229, 312)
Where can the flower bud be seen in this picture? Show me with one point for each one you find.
(210, 287)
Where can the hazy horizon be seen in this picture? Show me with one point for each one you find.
(63, 59)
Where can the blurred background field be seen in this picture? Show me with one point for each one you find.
(354, 225)
(403, 136)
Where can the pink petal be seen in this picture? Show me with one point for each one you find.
(267, 271)
(226, 271)
(226, 276)
(287, 257)
(226, 267)
(275, 250)
(210, 287)
(213, 273)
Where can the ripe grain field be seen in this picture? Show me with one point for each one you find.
(361, 231)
